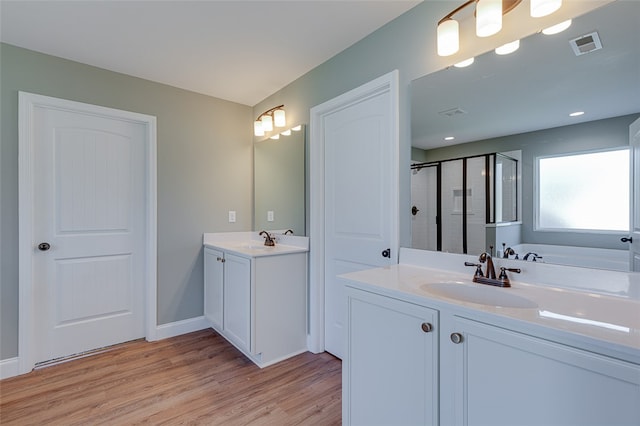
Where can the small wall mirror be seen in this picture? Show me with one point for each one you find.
(279, 182)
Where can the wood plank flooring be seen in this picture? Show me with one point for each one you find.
(197, 379)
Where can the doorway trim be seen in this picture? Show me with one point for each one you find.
(388, 82)
(27, 103)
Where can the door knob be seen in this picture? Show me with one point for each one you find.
(44, 246)
(626, 240)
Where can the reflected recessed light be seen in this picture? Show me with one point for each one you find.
(558, 28)
(275, 137)
(576, 114)
(286, 132)
(464, 63)
(449, 138)
(505, 49)
(297, 128)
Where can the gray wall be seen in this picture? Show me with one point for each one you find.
(594, 135)
(205, 152)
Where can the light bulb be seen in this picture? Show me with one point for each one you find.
(279, 118)
(257, 128)
(464, 63)
(267, 123)
(540, 8)
(488, 17)
(448, 37)
(558, 28)
(505, 49)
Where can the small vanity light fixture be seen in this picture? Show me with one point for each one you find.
(464, 63)
(558, 28)
(286, 132)
(297, 128)
(275, 137)
(540, 8)
(488, 22)
(507, 48)
(268, 119)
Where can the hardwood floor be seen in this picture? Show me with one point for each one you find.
(198, 378)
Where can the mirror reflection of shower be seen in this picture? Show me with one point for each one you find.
(457, 203)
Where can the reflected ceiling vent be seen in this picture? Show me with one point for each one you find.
(586, 43)
(453, 112)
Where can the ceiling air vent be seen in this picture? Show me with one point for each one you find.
(586, 43)
(452, 112)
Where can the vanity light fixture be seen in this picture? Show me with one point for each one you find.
(286, 132)
(268, 119)
(297, 128)
(488, 15)
(275, 137)
(507, 48)
(558, 28)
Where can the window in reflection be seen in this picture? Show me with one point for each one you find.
(586, 192)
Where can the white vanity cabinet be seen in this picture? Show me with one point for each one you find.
(258, 303)
(492, 375)
(390, 371)
(466, 372)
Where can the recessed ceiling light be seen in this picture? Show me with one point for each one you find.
(576, 114)
(464, 63)
(449, 138)
(558, 28)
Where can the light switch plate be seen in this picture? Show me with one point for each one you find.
(270, 216)
(232, 216)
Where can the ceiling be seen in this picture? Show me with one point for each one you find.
(241, 51)
(537, 86)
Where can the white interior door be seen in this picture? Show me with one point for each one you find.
(359, 135)
(89, 235)
(634, 226)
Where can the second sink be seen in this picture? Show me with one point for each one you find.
(480, 294)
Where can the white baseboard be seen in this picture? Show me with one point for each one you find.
(8, 368)
(177, 328)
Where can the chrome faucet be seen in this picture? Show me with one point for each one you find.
(508, 252)
(269, 240)
(491, 272)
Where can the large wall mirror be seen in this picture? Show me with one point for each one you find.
(519, 105)
(279, 182)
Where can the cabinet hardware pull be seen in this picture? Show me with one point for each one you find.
(220, 259)
(426, 327)
(626, 239)
(456, 338)
(44, 246)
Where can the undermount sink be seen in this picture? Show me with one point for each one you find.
(480, 294)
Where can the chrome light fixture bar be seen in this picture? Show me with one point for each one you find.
(274, 117)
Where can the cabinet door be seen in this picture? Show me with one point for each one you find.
(213, 287)
(390, 374)
(501, 377)
(237, 300)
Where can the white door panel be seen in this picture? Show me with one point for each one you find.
(634, 227)
(360, 196)
(89, 205)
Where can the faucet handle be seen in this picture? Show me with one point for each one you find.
(478, 266)
(503, 272)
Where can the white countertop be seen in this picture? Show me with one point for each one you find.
(606, 324)
(250, 244)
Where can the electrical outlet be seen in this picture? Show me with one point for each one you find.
(232, 216)
(270, 216)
